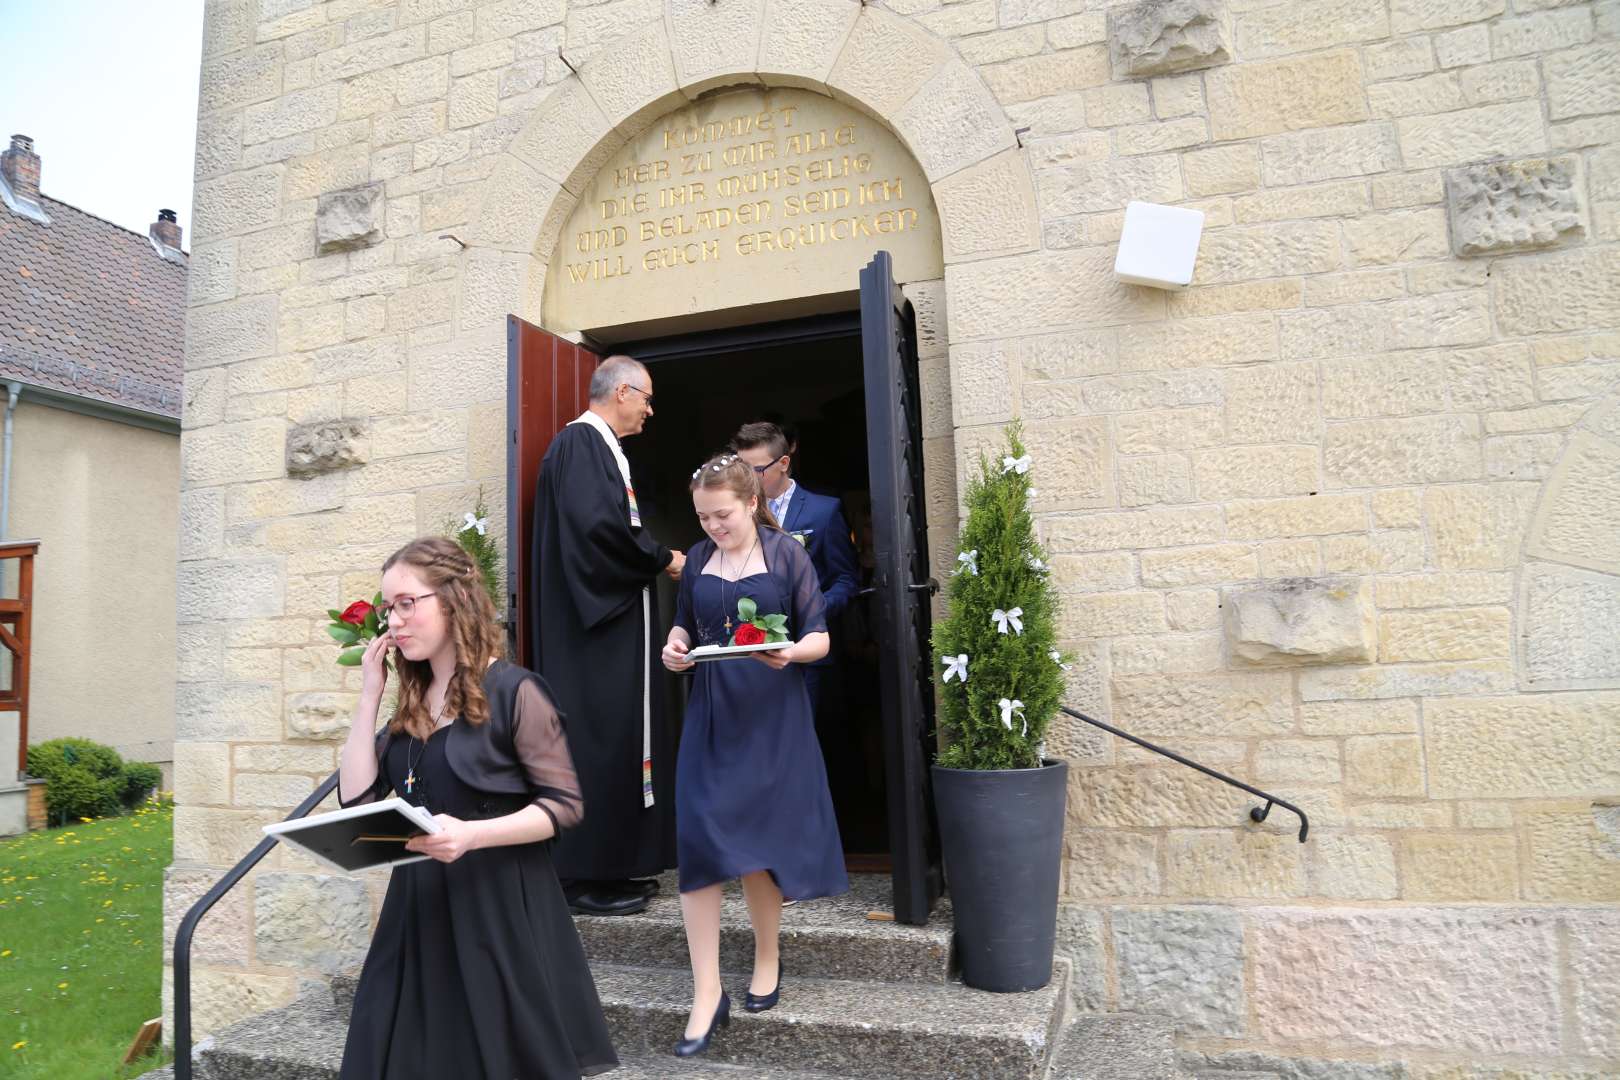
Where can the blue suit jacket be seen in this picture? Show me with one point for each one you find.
(820, 521)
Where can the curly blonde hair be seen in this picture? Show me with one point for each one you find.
(459, 589)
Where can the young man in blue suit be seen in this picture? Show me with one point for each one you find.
(816, 521)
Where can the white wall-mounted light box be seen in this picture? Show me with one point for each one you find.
(1158, 245)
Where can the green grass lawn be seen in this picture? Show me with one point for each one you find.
(81, 939)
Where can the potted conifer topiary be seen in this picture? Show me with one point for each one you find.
(1000, 804)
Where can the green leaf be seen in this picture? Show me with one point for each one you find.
(351, 657)
(747, 609)
(343, 635)
(776, 622)
(376, 601)
(335, 615)
(371, 623)
(773, 636)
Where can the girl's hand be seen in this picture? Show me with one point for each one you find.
(453, 840)
(674, 656)
(775, 658)
(374, 667)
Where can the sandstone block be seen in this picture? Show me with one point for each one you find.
(1418, 450)
(1452, 978)
(1317, 515)
(1487, 131)
(223, 935)
(1583, 81)
(1193, 609)
(1090, 186)
(1218, 705)
(1408, 16)
(1398, 59)
(1298, 621)
(221, 996)
(1046, 291)
(1196, 566)
(326, 446)
(1290, 558)
(1351, 867)
(1478, 527)
(1233, 863)
(1545, 745)
(1424, 680)
(1314, 761)
(1285, 95)
(1182, 962)
(1506, 81)
(1162, 527)
(1082, 938)
(1571, 858)
(1163, 36)
(1328, 153)
(1194, 654)
(1221, 170)
(1111, 863)
(1581, 508)
(1514, 205)
(1358, 717)
(1272, 403)
(1275, 250)
(1595, 970)
(315, 921)
(319, 715)
(1432, 590)
(270, 789)
(1161, 478)
(989, 209)
(1571, 627)
(1569, 291)
(1251, 471)
(1458, 634)
(350, 219)
(1384, 765)
(202, 773)
(1438, 866)
(953, 122)
(1542, 31)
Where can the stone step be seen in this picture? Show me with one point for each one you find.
(831, 938)
(1106, 1046)
(846, 1027)
(304, 1041)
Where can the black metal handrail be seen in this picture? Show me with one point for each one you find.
(1256, 813)
(188, 927)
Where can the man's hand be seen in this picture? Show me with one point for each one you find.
(676, 564)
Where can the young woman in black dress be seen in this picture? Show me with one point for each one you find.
(751, 798)
(475, 970)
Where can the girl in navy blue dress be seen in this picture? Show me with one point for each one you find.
(751, 798)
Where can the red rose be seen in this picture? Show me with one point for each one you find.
(355, 614)
(749, 634)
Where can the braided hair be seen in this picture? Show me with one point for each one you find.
(733, 474)
(459, 588)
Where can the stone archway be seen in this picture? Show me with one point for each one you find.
(1569, 577)
(879, 62)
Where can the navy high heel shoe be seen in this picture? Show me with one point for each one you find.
(722, 1017)
(768, 1001)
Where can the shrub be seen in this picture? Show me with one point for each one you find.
(85, 779)
(74, 793)
(140, 778)
(48, 759)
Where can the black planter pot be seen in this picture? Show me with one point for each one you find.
(1001, 831)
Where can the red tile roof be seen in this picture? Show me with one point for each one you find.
(91, 309)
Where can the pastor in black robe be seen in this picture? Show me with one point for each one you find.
(594, 644)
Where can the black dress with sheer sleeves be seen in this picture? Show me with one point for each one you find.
(475, 970)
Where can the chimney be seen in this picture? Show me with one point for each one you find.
(165, 231)
(20, 167)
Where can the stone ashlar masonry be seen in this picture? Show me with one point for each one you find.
(1342, 518)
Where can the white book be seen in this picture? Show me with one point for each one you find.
(359, 837)
(732, 652)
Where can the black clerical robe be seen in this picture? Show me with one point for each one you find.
(594, 620)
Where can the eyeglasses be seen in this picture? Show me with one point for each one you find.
(640, 391)
(763, 469)
(404, 605)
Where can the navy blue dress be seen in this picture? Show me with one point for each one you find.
(750, 784)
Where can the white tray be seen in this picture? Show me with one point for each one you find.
(732, 652)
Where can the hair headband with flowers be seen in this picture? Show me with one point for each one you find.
(716, 466)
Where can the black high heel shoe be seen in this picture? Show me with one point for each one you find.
(722, 1017)
(758, 1004)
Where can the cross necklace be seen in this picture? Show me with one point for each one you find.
(738, 578)
(410, 764)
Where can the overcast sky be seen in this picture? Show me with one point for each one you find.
(108, 90)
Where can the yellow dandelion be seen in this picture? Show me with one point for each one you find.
(61, 986)
(4, 953)
(106, 903)
(19, 1044)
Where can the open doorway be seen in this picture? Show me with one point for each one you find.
(806, 376)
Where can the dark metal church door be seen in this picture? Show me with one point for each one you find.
(902, 583)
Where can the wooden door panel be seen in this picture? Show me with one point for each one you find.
(548, 382)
